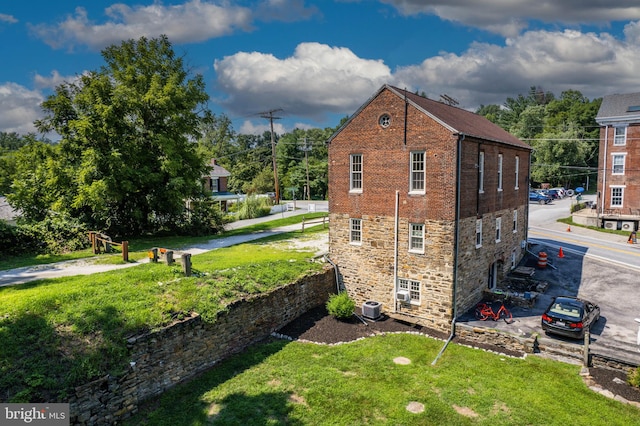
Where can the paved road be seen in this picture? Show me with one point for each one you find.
(85, 267)
(596, 266)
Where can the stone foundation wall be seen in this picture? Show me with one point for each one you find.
(161, 359)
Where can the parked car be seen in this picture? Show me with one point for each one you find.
(553, 193)
(570, 316)
(561, 192)
(538, 197)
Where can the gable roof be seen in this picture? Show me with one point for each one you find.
(217, 170)
(457, 120)
(615, 109)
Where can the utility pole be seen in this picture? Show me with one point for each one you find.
(269, 116)
(306, 148)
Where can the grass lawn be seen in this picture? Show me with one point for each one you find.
(293, 383)
(62, 332)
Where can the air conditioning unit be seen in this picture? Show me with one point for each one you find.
(611, 224)
(403, 296)
(628, 225)
(371, 310)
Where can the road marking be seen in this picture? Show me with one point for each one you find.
(578, 242)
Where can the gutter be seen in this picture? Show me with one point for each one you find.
(456, 249)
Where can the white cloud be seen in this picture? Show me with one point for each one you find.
(19, 108)
(510, 17)
(250, 128)
(8, 18)
(316, 80)
(192, 21)
(595, 64)
(54, 80)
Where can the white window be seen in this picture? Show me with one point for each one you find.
(517, 172)
(481, 171)
(417, 172)
(355, 234)
(215, 185)
(618, 164)
(413, 287)
(617, 194)
(514, 259)
(515, 221)
(416, 238)
(355, 180)
(620, 137)
(478, 233)
(499, 172)
(498, 229)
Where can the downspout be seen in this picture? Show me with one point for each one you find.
(604, 174)
(395, 253)
(456, 239)
(335, 269)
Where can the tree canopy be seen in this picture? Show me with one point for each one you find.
(126, 161)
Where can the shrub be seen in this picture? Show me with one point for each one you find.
(253, 207)
(634, 378)
(340, 305)
(55, 235)
(204, 218)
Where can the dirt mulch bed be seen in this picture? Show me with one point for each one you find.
(319, 327)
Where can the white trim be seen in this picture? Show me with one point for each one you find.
(478, 240)
(500, 163)
(613, 162)
(481, 172)
(411, 237)
(351, 173)
(498, 229)
(411, 172)
(517, 165)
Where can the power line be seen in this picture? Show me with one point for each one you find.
(269, 115)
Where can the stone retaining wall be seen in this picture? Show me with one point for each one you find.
(161, 359)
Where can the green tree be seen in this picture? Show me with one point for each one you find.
(126, 157)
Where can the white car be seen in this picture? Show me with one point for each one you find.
(561, 192)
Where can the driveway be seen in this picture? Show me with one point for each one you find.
(599, 267)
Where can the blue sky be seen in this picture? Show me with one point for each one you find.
(318, 61)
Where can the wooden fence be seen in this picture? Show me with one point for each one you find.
(102, 242)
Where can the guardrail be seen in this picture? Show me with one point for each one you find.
(324, 220)
(100, 242)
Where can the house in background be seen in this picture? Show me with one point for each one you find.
(428, 206)
(618, 205)
(216, 182)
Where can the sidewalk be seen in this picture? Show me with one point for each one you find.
(85, 267)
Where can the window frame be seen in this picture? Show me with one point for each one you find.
(413, 237)
(355, 229)
(355, 175)
(613, 196)
(613, 163)
(500, 164)
(515, 221)
(414, 288)
(413, 172)
(498, 229)
(619, 140)
(478, 233)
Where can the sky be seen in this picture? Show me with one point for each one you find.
(316, 62)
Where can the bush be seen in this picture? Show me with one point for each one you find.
(340, 305)
(634, 378)
(204, 218)
(54, 235)
(253, 207)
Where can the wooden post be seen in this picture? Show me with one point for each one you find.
(125, 251)
(92, 238)
(587, 339)
(168, 257)
(153, 255)
(186, 264)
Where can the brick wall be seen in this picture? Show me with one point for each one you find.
(631, 177)
(367, 269)
(164, 358)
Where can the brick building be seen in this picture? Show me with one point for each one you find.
(428, 206)
(618, 204)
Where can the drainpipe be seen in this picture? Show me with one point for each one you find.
(335, 269)
(395, 253)
(604, 174)
(456, 248)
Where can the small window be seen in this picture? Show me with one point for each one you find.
(498, 229)
(499, 172)
(355, 235)
(517, 165)
(384, 121)
(515, 221)
(617, 193)
(618, 164)
(417, 172)
(413, 287)
(416, 238)
(481, 172)
(478, 233)
(620, 137)
(215, 185)
(355, 179)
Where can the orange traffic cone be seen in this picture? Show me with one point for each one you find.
(560, 253)
(569, 228)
